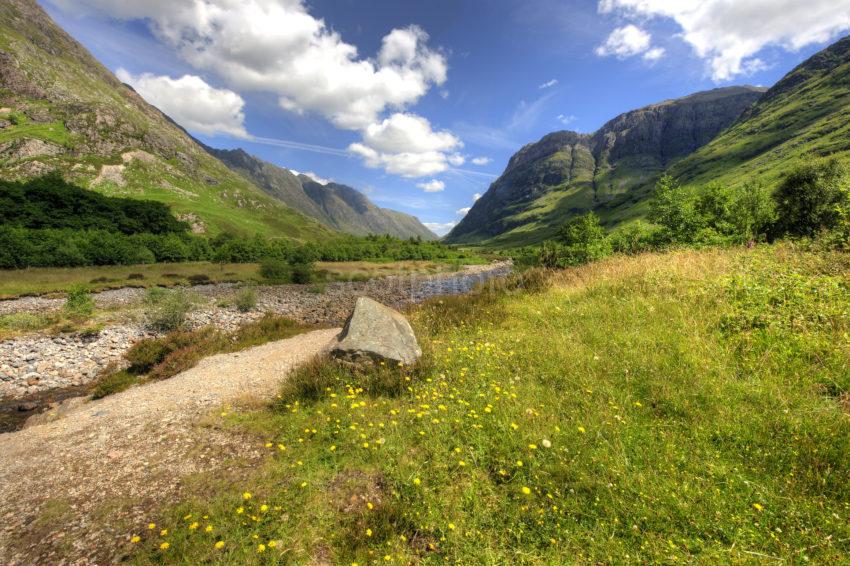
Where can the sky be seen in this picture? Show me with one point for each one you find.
(421, 104)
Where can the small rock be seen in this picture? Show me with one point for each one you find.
(26, 407)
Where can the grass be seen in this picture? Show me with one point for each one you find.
(46, 280)
(688, 407)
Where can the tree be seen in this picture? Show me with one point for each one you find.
(811, 198)
(580, 240)
(674, 211)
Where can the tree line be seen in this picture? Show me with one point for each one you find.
(49, 222)
(812, 201)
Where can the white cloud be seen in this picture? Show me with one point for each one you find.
(729, 35)
(548, 84)
(440, 228)
(625, 41)
(278, 46)
(463, 211)
(566, 119)
(456, 159)
(191, 102)
(654, 54)
(432, 186)
(476, 196)
(405, 144)
(313, 176)
(481, 160)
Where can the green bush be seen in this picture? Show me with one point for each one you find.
(167, 310)
(812, 198)
(581, 240)
(303, 273)
(113, 382)
(246, 300)
(145, 354)
(79, 302)
(275, 270)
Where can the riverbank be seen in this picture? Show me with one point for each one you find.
(38, 363)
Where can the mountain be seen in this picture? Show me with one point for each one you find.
(610, 171)
(61, 109)
(338, 206)
(805, 115)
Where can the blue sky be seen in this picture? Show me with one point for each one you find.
(425, 117)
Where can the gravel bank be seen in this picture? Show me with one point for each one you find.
(38, 363)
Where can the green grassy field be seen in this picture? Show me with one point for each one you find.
(692, 407)
(46, 280)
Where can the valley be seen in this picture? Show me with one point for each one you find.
(291, 283)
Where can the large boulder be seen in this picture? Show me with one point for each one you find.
(376, 332)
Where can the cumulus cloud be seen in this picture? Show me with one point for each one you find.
(729, 35)
(313, 176)
(481, 160)
(654, 54)
(548, 84)
(456, 159)
(463, 211)
(191, 102)
(432, 186)
(407, 145)
(278, 46)
(440, 228)
(625, 41)
(566, 119)
(476, 196)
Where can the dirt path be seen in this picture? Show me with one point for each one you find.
(70, 489)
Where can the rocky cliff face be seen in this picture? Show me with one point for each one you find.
(337, 206)
(567, 173)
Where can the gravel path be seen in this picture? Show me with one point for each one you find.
(72, 488)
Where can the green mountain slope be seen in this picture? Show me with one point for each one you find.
(61, 109)
(805, 115)
(338, 206)
(567, 173)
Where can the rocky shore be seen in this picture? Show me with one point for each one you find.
(37, 363)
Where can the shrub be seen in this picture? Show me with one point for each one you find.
(145, 354)
(79, 302)
(167, 310)
(303, 273)
(246, 300)
(634, 238)
(199, 279)
(113, 382)
(274, 270)
(811, 198)
(673, 210)
(579, 241)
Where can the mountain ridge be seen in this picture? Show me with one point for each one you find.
(335, 205)
(567, 172)
(60, 109)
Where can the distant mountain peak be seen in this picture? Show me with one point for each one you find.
(335, 205)
(566, 172)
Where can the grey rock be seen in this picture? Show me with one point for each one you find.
(374, 331)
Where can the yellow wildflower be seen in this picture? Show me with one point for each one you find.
(135, 539)
(219, 545)
(164, 546)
